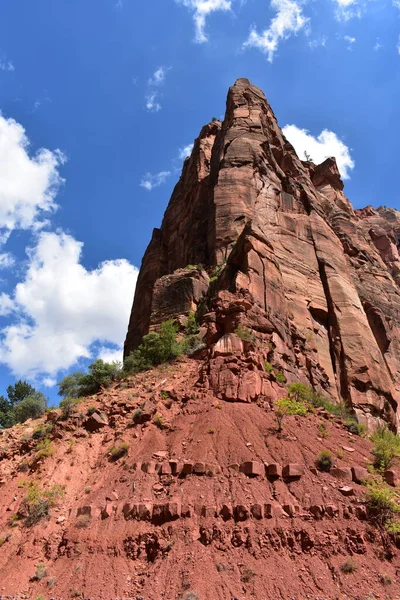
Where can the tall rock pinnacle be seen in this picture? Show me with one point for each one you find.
(253, 236)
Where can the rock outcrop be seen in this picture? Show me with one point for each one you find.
(254, 238)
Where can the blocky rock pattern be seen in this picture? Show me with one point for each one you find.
(255, 236)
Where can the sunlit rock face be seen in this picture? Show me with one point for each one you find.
(254, 237)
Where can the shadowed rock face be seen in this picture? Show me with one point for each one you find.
(253, 236)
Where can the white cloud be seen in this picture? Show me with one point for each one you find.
(28, 184)
(61, 308)
(350, 40)
(347, 9)
(201, 9)
(323, 146)
(185, 151)
(318, 42)
(396, 3)
(150, 181)
(158, 76)
(6, 65)
(7, 260)
(378, 45)
(6, 305)
(110, 355)
(152, 103)
(49, 382)
(288, 20)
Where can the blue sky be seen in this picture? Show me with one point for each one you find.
(99, 102)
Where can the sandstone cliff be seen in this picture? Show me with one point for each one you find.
(254, 236)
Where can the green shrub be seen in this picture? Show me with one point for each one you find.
(70, 386)
(67, 406)
(51, 582)
(40, 572)
(354, 427)
(45, 448)
(348, 567)
(155, 349)
(100, 374)
(386, 447)
(324, 461)
(245, 334)
(280, 377)
(159, 421)
(323, 432)
(268, 367)
(191, 325)
(137, 415)
(31, 407)
(42, 431)
(288, 406)
(385, 580)
(116, 452)
(383, 503)
(38, 502)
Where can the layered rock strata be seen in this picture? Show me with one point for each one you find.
(256, 239)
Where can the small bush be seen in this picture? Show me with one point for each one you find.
(137, 415)
(245, 334)
(280, 377)
(31, 407)
(40, 572)
(288, 406)
(155, 349)
(324, 461)
(383, 503)
(117, 452)
(211, 430)
(354, 427)
(159, 421)
(45, 448)
(51, 582)
(323, 432)
(340, 453)
(191, 325)
(386, 447)
(91, 410)
(247, 575)
(67, 406)
(268, 367)
(38, 502)
(348, 567)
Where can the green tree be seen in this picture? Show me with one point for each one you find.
(70, 386)
(19, 391)
(30, 407)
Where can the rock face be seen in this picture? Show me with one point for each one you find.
(256, 239)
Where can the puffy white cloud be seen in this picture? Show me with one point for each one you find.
(185, 151)
(28, 184)
(6, 305)
(152, 103)
(150, 181)
(110, 355)
(7, 260)
(61, 309)
(319, 148)
(289, 20)
(158, 76)
(201, 10)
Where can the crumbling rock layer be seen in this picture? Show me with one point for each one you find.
(253, 236)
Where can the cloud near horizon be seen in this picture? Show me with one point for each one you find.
(323, 146)
(61, 309)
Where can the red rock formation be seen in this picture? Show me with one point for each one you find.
(255, 237)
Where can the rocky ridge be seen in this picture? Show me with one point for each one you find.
(255, 237)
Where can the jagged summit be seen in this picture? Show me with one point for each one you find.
(314, 280)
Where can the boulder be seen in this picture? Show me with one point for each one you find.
(96, 421)
(293, 471)
(274, 471)
(360, 474)
(390, 477)
(343, 473)
(253, 468)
